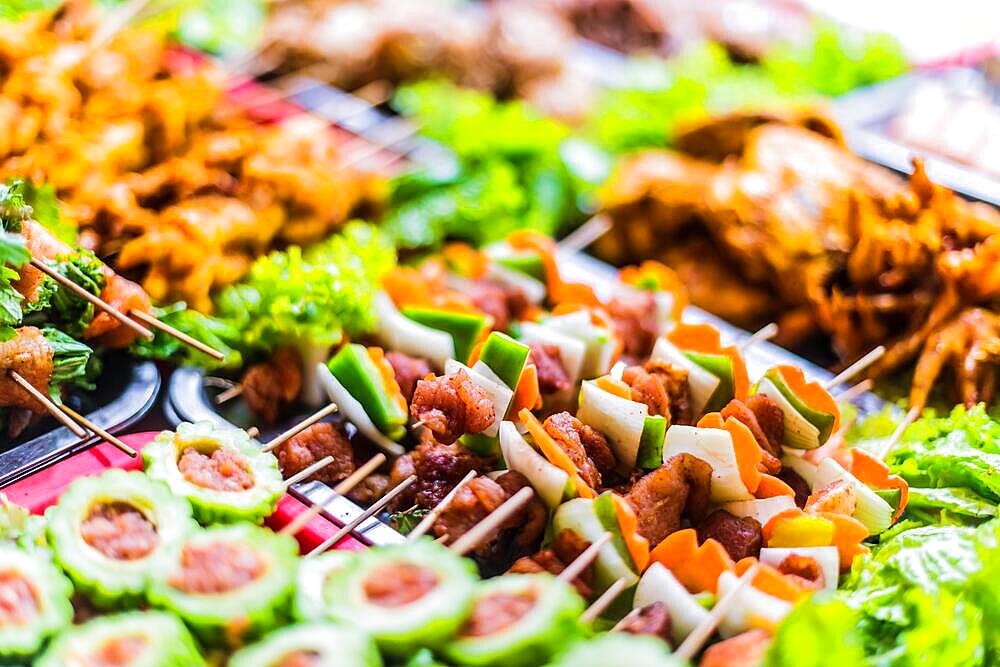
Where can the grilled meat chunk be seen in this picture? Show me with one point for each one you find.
(679, 487)
(451, 406)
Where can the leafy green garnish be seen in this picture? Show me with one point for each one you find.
(45, 211)
(215, 332)
(63, 308)
(223, 27)
(12, 10)
(13, 255)
(73, 363)
(818, 633)
(406, 520)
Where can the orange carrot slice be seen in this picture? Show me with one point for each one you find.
(847, 537)
(747, 451)
(873, 471)
(477, 350)
(638, 546)
(706, 339)
(527, 395)
(559, 290)
(466, 260)
(614, 386)
(388, 376)
(696, 567)
(554, 453)
(769, 580)
(812, 393)
(771, 487)
(661, 278)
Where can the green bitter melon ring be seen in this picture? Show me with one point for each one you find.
(21, 640)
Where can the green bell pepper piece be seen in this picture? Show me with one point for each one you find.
(506, 357)
(465, 328)
(721, 367)
(650, 455)
(891, 496)
(354, 369)
(823, 421)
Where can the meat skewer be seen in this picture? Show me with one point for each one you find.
(308, 472)
(179, 335)
(475, 535)
(432, 516)
(364, 516)
(50, 405)
(99, 431)
(851, 393)
(343, 488)
(599, 605)
(301, 426)
(766, 332)
(694, 641)
(583, 561)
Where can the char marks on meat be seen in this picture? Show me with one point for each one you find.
(741, 537)
(408, 370)
(587, 448)
(663, 388)
(633, 316)
(270, 387)
(653, 619)
(438, 469)
(681, 486)
(314, 444)
(29, 355)
(451, 406)
(552, 376)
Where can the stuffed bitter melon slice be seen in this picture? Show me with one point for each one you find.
(219, 470)
(405, 597)
(518, 619)
(312, 587)
(229, 583)
(111, 533)
(310, 644)
(34, 603)
(135, 639)
(619, 648)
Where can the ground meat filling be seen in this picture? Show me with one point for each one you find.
(217, 568)
(117, 652)
(451, 406)
(18, 599)
(552, 376)
(300, 659)
(399, 584)
(663, 388)
(120, 531)
(495, 613)
(315, 444)
(223, 470)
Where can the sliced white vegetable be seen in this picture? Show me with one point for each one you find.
(312, 387)
(799, 431)
(714, 446)
(533, 290)
(870, 509)
(761, 509)
(619, 419)
(578, 515)
(600, 344)
(701, 382)
(664, 311)
(827, 557)
(500, 394)
(794, 459)
(658, 584)
(355, 413)
(548, 481)
(752, 609)
(571, 350)
(401, 334)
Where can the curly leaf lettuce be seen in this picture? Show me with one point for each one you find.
(820, 632)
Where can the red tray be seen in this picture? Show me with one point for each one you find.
(39, 491)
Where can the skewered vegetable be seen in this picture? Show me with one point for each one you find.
(136, 639)
(218, 469)
(518, 620)
(35, 604)
(114, 532)
(811, 414)
(312, 643)
(229, 583)
(369, 378)
(405, 597)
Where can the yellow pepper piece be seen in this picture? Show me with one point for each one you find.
(802, 531)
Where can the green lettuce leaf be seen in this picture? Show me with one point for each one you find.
(819, 632)
(74, 364)
(218, 333)
(65, 309)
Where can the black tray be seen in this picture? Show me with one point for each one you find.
(127, 389)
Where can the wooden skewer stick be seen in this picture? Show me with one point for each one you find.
(851, 393)
(897, 435)
(97, 301)
(80, 419)
(343, 488)
(443, 539)
(309, 471)
(694, 641)
(602, 603)
(367, 514)
(229, 394)
(298, 428)
(148, 319)
(585, 234)
(49, 404)
(583, 561)
(471, 539)
(432, 516)
(766, 332)
(253, 432)
(417, 424)
(855, 368)
(369, 147)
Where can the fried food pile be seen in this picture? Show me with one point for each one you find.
(148, 158)
(770, 217)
